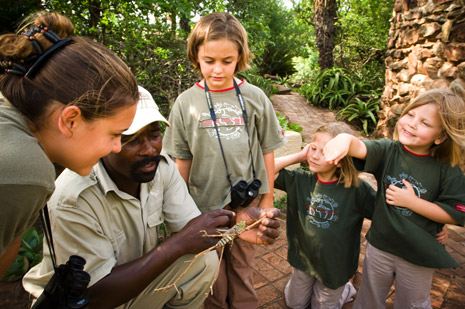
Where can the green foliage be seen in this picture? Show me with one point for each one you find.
(358, 99)
(363, 28)
(332, 88)
(286, 125)
(281, 202)
(362, 113)
(30, 253)
(253, 77)
(306, 68)
(275, 34)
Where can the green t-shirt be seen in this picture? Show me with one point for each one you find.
(324, 221)
(398, 230)
(27, 176)
(192, 136)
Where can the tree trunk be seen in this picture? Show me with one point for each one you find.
(325, 12)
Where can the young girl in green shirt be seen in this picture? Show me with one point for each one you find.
(325, 211)
(420, 188)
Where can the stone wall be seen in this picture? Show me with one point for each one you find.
(426, 49)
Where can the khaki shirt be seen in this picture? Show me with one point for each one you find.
(192, 136)
(92, 218)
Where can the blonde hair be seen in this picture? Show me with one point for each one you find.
(217, 26)
(84, 73)
(346, 171)
(451, 109)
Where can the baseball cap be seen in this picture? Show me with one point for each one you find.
(146, 112)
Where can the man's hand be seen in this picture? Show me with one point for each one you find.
(267, 231)
(193, 238)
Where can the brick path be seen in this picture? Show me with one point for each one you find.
(271, 267)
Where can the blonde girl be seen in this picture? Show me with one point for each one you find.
(420, 188)
(325, 211)
(64, 99)
(223, 131)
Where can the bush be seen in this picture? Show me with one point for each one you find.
(253, 77)
(362, 113)
(332, 88)
(286, 125)
(356, 99)
(30, 253)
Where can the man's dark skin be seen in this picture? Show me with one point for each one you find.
(137, 163)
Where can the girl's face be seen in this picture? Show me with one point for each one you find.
(420, 128)
(218, 60)
(95, 139)
(315, 158)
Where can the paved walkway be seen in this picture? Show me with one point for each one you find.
(272, 269)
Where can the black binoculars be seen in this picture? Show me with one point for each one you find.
(67, 287)
(243, 193)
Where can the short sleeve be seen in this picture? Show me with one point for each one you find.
(270, 133)
(452, 195)
(77, 231)
(376, 154)
(178, 206)
(283, 179)
(20, 208)
(175, 140)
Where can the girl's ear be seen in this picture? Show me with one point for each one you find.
(441, 139)
(68, 119)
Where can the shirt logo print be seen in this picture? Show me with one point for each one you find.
(321, 210)
(416, 185)
(228, 118)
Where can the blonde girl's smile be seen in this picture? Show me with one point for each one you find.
(420, 128)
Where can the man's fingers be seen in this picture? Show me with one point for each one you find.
(222, 217)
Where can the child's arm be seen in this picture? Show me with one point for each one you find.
(342, 145)
(282, 162)
(266, 200)
(184, 168)
(406, 197)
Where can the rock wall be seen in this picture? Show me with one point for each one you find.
(426, 49)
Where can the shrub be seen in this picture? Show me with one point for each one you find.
(362, 113)
(253, 77)
(30, 253)
(332, 88)
(286, 125)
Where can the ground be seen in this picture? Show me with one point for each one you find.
(272, 270)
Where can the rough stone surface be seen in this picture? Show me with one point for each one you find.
(426, 37)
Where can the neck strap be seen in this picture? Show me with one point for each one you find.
(244, 116)
(45, 219)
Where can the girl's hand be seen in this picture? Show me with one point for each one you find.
(443, 235)
(401, 197)
(303, 153)
(337, 148)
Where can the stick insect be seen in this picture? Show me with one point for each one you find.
(227, 237)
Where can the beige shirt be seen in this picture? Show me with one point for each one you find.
(192, 136)
(92, 218)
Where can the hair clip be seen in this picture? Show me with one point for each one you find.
(45, 56)
(16, 69)
(51, 36)
(36, 46)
